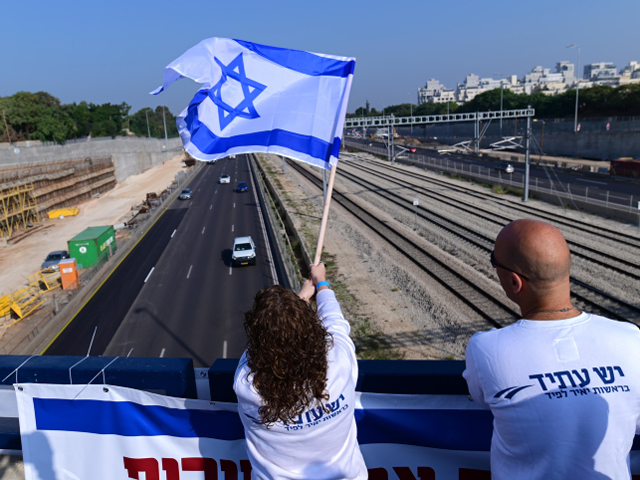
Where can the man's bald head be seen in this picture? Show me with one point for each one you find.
(535, 249)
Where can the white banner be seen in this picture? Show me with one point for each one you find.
(102, 432)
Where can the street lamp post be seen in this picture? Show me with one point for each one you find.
(501, 90)
(146, 112)
(164, 121)
(575, 121)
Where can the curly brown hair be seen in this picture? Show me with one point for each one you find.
(287, 349)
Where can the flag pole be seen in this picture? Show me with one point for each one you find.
(325, 215)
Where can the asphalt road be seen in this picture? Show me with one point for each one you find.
(599, 187)
(176, 293)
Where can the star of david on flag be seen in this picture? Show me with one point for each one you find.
(256, 98)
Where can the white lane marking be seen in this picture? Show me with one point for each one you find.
(162, 352)
(203, 229)
(224, 349)
(191, 203)
(232, 227)
(230, 269)
(211, 207)
(274, 275)
(215, 192)
(234, 205)
(198, 189)
(590, 181)
(149, 274)
(174, 232)
(189, 271)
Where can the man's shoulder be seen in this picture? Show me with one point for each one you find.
(492, 335)
(609, 328)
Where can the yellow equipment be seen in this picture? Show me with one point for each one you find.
(65, 212)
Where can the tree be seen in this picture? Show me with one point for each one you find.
(36, 116)
(138, 122)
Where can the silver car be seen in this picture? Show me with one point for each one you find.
(51, 262)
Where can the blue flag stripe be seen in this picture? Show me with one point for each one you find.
(131, 419)
(302, 62)
(207, 142)
(468, 430)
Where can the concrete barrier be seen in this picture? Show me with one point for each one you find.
(130, 155)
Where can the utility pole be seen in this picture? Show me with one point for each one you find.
(164, 120)
(501, 90)
(146, 112)
(575, 121)
(6, 126)
(527, 160)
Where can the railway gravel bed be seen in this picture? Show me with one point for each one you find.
(457, 224)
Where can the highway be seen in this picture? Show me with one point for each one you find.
(176, 293)
(598, 187)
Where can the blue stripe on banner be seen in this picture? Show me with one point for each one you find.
(468, 430)
(132, 420)
(207, 142)
(303, 62)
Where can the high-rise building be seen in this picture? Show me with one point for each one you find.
(600, 71)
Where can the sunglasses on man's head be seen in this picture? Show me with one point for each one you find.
(495, 264)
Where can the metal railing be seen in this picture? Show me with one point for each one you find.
(284, 245)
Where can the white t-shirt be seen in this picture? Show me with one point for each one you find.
(565, 396)
(320, 445)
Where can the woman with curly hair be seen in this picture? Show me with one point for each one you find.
(296, 385)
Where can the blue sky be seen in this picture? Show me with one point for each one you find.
(116, 51)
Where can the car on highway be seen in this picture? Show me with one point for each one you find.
(505, 167)
(185, 194)
(224, 178)
(243, 251)
(53, 259)
(242, 187)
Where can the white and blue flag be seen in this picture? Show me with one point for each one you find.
(256, 98)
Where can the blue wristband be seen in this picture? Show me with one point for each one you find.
(320, 284)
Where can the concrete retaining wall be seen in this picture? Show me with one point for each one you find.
(130, 155)
(593, 141)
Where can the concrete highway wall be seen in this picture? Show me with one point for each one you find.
(130, 155)
(593, 141)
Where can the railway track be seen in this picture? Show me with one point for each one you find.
(468, 291)
(583, 294)
(631, 240)
(623, 266)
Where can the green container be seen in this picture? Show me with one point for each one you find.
(93, 246)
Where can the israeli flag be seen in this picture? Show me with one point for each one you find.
(256, 98)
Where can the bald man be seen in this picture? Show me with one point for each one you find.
(563, 385)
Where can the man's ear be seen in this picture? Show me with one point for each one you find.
(515, 283)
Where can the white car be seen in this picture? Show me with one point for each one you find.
(224, 178)
(243, 251)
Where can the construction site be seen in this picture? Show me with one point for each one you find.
(46, 204)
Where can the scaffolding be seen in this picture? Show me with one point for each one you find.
(18, 209)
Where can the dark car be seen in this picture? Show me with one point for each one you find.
(242, 187)
(51, 262)
(505, 167)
